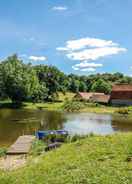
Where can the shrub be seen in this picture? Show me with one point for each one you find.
(92, 104)
(2, 152)
(72, 106)
(37, 147)
(124, 110)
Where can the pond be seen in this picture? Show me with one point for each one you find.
(16, 122)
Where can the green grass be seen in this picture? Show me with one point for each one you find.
(93, 160)
(69, 96)
(59, 105)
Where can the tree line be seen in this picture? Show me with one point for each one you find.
(25, 82)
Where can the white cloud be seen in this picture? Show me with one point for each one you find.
(37, 58)
(86, 42)
(90, 49)
(94, 54)
(59, 8)
(62, 49)
(86, 66)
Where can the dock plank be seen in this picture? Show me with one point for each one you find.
(22, 145)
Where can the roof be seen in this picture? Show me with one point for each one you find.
(101, 98)
(97, 97)
(122, 91)
(87, 96)
(122, 87)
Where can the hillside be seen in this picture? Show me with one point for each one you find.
(93, 160)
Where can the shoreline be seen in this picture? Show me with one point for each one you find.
(57, 106)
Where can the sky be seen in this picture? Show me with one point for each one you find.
(78, 36)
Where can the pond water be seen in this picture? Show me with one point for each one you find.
(14, 123)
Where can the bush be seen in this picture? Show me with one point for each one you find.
(72, 106)
(90, 104)
(2, 152)
(37, 147)
(124, 110)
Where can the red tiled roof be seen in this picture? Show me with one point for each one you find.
(122, 87)
(123, 92)
(87, 96)
(96, 97)
(101, 98)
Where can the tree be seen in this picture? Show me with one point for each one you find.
(101, 86)
(82, 87)
(74, 86)
(19, 80)
(40, 94)
(53, 78)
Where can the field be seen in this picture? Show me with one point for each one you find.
(93, 160)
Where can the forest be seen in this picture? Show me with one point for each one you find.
(22, 82)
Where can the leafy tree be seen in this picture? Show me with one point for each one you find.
(40, 94)
(82, 86)
(74, 87)
(53, 78)
(20, 80)
(101, 86)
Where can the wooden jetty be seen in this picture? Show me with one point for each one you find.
(22, 145)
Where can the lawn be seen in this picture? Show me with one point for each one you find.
(93, 160)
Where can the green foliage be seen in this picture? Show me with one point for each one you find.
(20, 80)
(72, 106)
(90, 104)
(40, 94)
(82, 87)
(74, 87)
(123, 110)
(24, 82)
(2, 152)
(76, 137)
(54, 80)
(101, 86)
(37, 148)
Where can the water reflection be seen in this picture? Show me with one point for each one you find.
(14, 123)
(84, 123)
(121, 123)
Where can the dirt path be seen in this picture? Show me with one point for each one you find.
(11, 162)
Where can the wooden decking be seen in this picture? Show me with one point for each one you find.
(22, 145)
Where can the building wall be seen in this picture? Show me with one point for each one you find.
(121, 95)
(118, 102)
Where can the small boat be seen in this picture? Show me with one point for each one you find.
(43, 134)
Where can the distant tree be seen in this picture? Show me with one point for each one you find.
(53, 78)
(74, 86)
(82, 86)
(101, 86)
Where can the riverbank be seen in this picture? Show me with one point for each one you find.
(95, 159)
(58, 106)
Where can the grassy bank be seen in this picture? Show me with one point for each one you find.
(93, 160)
(59, 105)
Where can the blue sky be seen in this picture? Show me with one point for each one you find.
(78, 36)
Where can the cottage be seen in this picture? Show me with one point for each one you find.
(92, 97)
(101, 98)
(121, 95)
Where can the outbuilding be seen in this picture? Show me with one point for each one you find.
(121, 95)
(92, 97)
